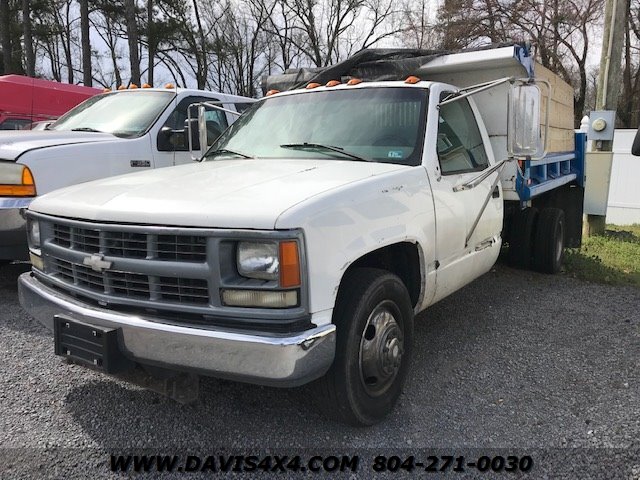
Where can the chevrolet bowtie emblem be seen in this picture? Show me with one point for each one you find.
(97, 262)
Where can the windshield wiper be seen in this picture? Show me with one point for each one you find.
(226, 150)
(86, 129)
(320, 146)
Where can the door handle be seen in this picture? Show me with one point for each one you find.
(496, 192)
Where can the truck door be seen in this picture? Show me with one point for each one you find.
(174, 150)
(469, 220)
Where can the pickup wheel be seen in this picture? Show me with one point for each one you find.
(521, 236)
(549, 241)
(374, 334)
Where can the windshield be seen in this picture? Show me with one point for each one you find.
(125, 114)
(362, 124)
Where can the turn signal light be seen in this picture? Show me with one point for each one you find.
(289, 264)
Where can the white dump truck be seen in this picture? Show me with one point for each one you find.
(316, 227)
(110, 134)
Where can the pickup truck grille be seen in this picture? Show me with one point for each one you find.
(133, 285)
(190, 248)
(154, 268)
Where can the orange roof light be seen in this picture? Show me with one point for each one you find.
(122, 87)
(272, 92)
(313, 85)
(412, 80)
(354, 81)
(169, 85)
(333, 83)
(146, 85)
(106, 90)
(289, 264)
(133, 86)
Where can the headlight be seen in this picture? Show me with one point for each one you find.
(259, 260)
(33, 233)
(276, 261)
(16, 180)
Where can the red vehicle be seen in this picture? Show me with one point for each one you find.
(24, 100)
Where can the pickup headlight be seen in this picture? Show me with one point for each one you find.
(259, 260)
(274, 261)
(16, 180)
(33, 233)
(33, 238)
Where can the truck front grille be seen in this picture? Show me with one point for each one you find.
(187, 248)
(133, 285)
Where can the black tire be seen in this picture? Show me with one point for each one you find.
(363, 327)
(521, 234)
(549, 241)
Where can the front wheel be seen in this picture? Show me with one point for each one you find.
(374, 328)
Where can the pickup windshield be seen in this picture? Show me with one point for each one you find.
(359, 124)
(124, 114)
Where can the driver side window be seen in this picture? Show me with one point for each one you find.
(459, 145)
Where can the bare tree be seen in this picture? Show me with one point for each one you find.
(132, 38)
(30, 58)
(87, 77)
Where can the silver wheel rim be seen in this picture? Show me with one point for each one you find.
(381, 349)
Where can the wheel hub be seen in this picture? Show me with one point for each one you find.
(381, 350)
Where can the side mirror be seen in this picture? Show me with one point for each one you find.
(635, 148)
(170, 140)
(191, 132)
(524, 136)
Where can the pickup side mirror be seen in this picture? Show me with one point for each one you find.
(635, 148)
(524, 136)
(170, 140)
(191, 131)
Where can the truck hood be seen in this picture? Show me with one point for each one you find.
(13, 144)
(224, 193)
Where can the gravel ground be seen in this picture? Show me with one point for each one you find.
(516, 362)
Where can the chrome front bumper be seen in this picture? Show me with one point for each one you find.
(13, 233)
(267, 360)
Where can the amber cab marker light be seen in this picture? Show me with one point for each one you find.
(106, 90)
(133, 86)
(412, 80)
(146, 85)
(289, 264)
(272, 92)
(169, 86)
(332, 83)
(354, 81)
(122, 87)
(313, 85)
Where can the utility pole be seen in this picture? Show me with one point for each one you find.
(609, 82)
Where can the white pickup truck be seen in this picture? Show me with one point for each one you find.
(313, 230)
(109, 134)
